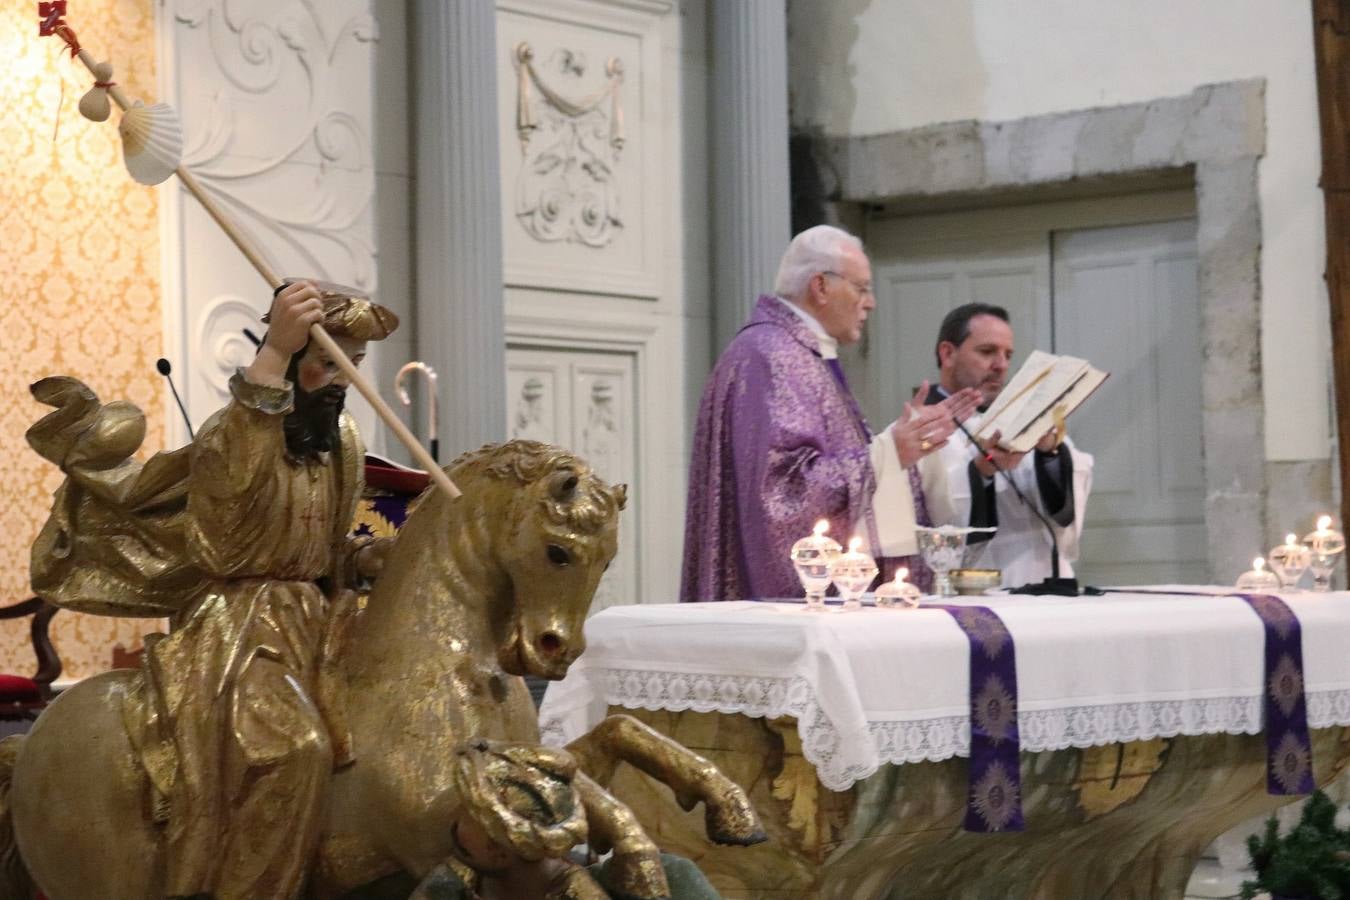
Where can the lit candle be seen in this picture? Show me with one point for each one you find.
(898, 592)
(852, 573)
(811, 557)
(1289, 561)
(1258, 579)
(1326, 544)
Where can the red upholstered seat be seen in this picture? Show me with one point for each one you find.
(16, 688)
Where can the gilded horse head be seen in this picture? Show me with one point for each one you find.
(530, 540)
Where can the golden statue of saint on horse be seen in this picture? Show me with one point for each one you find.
(281, 742)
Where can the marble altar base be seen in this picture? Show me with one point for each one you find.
(1116, 821)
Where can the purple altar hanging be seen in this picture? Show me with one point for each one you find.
(995, 783)
(1285, 707)
(1288, 744)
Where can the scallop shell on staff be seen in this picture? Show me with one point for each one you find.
(152, 142)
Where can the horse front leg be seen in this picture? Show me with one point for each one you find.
(635, 868)
(728, 816)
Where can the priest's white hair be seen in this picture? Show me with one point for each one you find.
(815, 250)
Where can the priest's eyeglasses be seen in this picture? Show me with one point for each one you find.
(862, 287)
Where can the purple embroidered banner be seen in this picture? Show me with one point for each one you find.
(994, 801)
(1288, 744)
(1285, 706)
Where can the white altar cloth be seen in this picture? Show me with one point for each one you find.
(881, 686)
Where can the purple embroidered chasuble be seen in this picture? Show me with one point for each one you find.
(780, 443)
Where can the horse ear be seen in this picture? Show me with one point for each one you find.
(563, 485)
(621, 495)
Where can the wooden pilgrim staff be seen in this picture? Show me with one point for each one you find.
(152, 145)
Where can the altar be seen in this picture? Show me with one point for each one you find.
(1140, 716)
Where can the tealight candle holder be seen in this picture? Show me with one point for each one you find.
(852, 573)
(1259, 578)
(811, 557)
(1289, 561)
(898, 593)
(1325, 545)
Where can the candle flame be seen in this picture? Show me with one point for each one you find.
(1323, 523)
(1290, 539)
(821, 527)
(854, 543)
(901, 574)
(1258, 564)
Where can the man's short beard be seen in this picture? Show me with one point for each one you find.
(312, 427)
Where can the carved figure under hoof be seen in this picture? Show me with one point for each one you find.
(448, 783)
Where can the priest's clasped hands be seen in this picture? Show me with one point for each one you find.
(922, 429)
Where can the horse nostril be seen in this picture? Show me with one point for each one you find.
(549, 643)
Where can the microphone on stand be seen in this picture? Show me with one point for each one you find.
(165, 369)
(1064, 587)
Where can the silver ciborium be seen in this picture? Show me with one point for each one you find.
(943, 548)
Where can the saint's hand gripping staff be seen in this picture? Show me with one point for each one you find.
(152, 145)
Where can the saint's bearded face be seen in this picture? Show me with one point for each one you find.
(320, 394)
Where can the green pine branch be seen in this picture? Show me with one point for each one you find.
(1311, 862)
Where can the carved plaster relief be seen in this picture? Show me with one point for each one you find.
(581, 140)
(600, 433)
(534, 405)
(221, 346)
(566, 188)
(265, 97)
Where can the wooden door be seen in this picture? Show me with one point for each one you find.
(1127, 298)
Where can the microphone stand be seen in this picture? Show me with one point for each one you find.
(163, 367)
(1054, 585)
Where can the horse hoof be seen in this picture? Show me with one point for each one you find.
(734, 823)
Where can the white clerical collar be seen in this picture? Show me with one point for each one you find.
(829, 347)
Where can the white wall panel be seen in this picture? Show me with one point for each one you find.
(277, 103)
(600, 304)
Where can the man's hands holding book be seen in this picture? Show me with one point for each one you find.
(994, 456)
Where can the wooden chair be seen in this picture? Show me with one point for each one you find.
(23, 697)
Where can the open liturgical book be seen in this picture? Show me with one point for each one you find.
(1040, 396)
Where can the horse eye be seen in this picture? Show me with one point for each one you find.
(558, 556)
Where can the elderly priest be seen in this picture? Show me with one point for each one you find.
(781, 442)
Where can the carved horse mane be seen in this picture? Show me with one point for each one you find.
(524, 462)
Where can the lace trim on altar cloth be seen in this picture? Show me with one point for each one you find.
(929, 740)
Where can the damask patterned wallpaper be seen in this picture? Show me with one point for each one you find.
(79, 281)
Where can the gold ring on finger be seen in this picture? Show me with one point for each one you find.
(925, 444)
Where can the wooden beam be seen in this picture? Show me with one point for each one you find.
(1331, 45)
